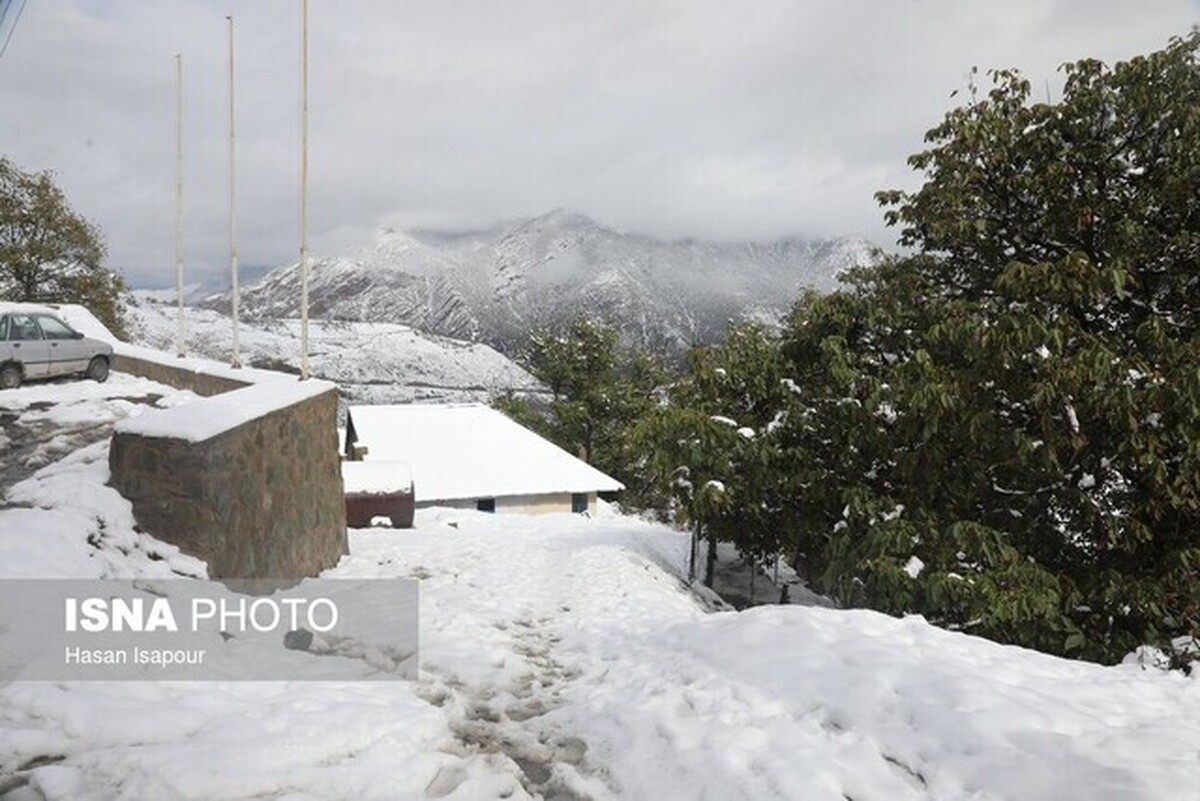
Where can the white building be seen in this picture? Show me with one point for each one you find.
(472, 456)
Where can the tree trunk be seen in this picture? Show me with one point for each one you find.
(692, 553)
(800, 565)
(29, 284)
(710, 567)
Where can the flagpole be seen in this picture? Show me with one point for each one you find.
(304, 373)
(233, 254)
(180, 333)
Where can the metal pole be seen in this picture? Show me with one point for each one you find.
(180, 333)
(304, 193)
(236, 361)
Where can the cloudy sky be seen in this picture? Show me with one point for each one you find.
(717, 120)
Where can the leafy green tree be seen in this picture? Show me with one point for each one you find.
(689, 457)
(48, 252)
(715, 446)
(1000, 430)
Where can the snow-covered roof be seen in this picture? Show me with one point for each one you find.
(471, 451)
(373, 478)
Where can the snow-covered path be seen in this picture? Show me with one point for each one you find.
(667, 701)
(45, 420)
(504, 602)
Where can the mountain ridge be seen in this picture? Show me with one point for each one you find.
(494, 285)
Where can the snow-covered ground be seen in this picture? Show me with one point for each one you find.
(564, 657)
(371, 362)
(46, 420)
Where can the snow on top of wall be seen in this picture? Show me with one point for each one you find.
(462, 451)
(265, 391)
(205, 419)
(376, 477)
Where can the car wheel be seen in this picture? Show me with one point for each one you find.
(10, 376)
(98, 369)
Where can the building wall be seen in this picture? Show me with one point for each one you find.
(518, 504)
(196, 381)
(454, 504)
(261, 500)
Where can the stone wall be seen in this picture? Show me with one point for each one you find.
(198, 381)
(263, 499)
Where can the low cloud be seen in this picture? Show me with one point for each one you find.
(708, 119)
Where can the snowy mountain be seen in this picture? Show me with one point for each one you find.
(495, 285)
(370, 362)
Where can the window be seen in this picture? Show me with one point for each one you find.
(579, 503)
(3, 328)
(54, 328)
(22, 328)
(486, 504)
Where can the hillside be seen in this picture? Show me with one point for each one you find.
(495, 285)
(370, 362)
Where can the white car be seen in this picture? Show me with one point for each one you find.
(37, 343)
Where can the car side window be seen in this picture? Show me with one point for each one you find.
(54, 328)
(22, 328)
(3, 328)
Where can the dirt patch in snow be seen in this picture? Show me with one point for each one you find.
(502, 722)
(31, 438)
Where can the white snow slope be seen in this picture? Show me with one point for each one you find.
(562, 657)
(371, 362)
